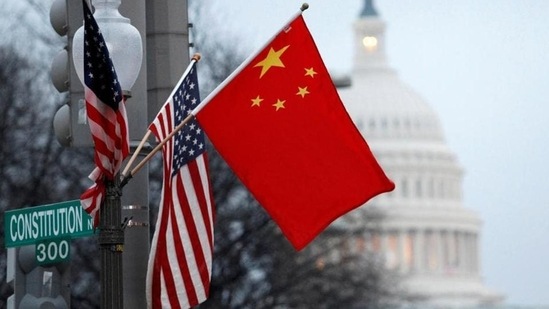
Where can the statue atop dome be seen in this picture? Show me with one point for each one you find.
(369, 9)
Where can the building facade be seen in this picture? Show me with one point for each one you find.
(427, 235)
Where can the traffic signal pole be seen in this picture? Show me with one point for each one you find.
(135, 195)
(163, 25)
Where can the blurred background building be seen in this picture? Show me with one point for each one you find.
(426, 234)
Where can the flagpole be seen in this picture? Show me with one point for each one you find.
(212, 94)
(136, 153)
(157, 148)
(126, 177)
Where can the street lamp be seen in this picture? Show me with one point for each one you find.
(125, 48)
(123, 41)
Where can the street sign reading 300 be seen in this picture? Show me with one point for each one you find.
(61, 220)
(53, 251)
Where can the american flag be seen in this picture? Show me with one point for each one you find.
(106, 112)
(180, 262)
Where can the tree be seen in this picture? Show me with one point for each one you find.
(35, 169)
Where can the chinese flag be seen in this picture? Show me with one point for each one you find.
(281, 126)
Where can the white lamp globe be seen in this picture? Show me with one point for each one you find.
(123, 41)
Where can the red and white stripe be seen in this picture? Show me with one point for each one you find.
(180, 261)
(109, 129)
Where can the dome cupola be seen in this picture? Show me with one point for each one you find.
(380, 103)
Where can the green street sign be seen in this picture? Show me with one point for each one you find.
(28, 225)
(53, 251)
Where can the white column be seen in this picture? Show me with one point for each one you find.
(472, 252)
(457, 252)
(451, 250)
(400, 252)
(476, 254)
(463, 260)
(438, 244)
(419, 253)
(444, 254)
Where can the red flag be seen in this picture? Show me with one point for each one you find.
(281, 126)
(106, 112)
(180, 261)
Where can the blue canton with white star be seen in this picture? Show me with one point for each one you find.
(189, 142)
(99, 74)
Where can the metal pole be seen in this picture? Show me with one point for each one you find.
(163, 28)
(135, 202)
(111, 242)
(167, 49)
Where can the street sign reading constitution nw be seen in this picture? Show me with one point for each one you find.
(28, 225)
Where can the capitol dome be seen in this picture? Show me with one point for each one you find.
(426, 234)
(390, 109)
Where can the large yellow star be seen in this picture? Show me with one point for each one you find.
(272, 60)
(310, 72)
(256, 101)
(279, 104)
(302, 91)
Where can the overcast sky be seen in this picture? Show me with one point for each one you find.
(484, 68)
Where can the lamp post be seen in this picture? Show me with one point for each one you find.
(125, 47)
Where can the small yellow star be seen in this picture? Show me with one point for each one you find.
(279, 104)
(302, 91)
(257, 101)
(310, 72)
(272, 60)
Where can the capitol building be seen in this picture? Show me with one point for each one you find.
(426, 234)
